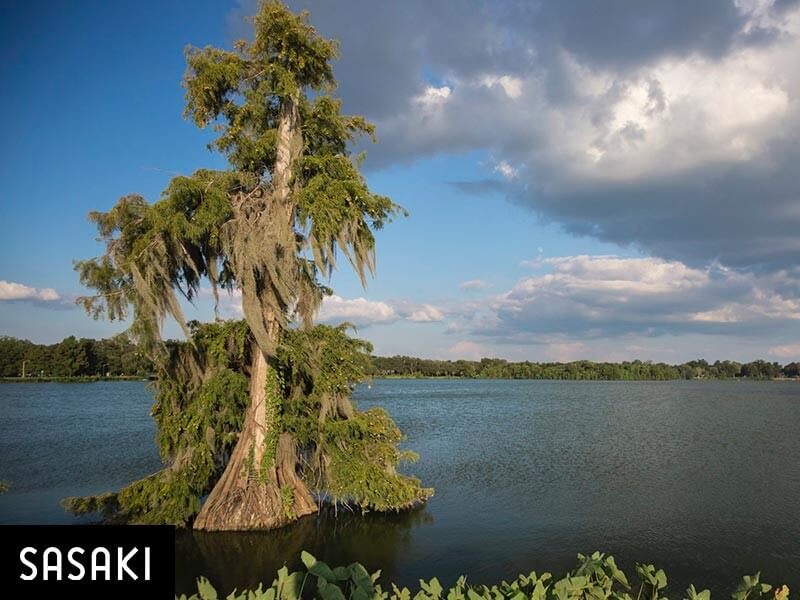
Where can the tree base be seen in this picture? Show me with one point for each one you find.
(266, 501)
(256, 490)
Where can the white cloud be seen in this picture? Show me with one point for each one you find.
(791, 351)
(633, 149)
(608, 296)
(10, 290)
(426, 313)
(433, 97)
(359, 311)
(512, 86)
(506, 170)
(473, 284)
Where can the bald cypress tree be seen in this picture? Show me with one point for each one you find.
(255, 414)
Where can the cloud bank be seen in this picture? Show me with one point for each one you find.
(583, 297)
(672, 127)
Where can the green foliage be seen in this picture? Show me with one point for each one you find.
(72, 358)
(120, 356)
(274, 390)
(751, 588)
(200, 402)
(496, 368)
(293, 198)
(201, 398)
(239, 90)
(353, 455)
(596, 577)
(236, 227)
(4, 487)
(287, 501)
(363, 455)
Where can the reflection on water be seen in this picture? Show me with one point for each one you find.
(243, 559)
(701, 478)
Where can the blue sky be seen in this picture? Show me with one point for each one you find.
(602, 184)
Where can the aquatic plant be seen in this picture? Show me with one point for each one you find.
(596, 577)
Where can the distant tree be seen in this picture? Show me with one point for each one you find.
(12, 355)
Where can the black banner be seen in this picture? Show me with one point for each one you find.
(89, 561)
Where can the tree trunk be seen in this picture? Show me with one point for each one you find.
(260, 488)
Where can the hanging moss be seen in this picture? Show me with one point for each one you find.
(348, 457)
(201, 397)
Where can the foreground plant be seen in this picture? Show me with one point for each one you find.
(235, 402)
(596, 577)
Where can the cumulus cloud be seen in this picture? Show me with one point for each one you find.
(359, 311)
(335, 309)
(512, 86)
(426, 313)
(363, 312)
(671, 126)
(10, 291)
(585, 297)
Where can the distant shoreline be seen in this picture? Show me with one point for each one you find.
(789, 379)
(76, 379)
(98, 378)
(77, 360)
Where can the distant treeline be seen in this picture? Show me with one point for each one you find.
(72, 357)
(118, 356)
(496, 368)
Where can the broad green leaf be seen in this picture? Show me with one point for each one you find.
(206, 590)
(361, 578)
(308, 559)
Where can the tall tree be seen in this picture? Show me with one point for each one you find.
(268, 227)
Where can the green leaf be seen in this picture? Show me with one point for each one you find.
(540, 591)
(433, 587)
(359, 594)
(206, 590)
(320, 569)
(341, 573)
(361, 578)
(308, 559)
(473, 595)
(661, 579)
(693, 594)
(331, 592)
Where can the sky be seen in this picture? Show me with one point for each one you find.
(584, 180)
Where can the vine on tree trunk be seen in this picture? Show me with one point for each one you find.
(345, 456)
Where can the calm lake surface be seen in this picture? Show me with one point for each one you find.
(701, 478)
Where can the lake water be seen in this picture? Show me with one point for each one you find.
(701, 478)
